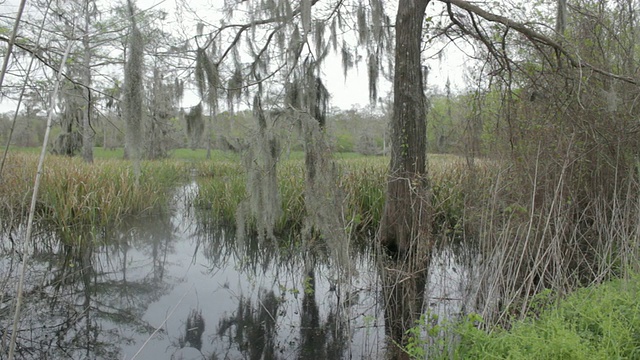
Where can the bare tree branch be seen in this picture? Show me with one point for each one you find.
(244, 27)
(535, 36)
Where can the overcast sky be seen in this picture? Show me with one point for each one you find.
(345, 94)
(354, 91)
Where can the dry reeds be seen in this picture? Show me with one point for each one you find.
(540, 231)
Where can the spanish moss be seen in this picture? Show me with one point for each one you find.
(234, 89)
(195, 125)
(132, 111)
(323, 201)
(263, 202)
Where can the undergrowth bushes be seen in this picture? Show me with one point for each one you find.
(596, 322)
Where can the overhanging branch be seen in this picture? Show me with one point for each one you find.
(36, 53)
(244, 27)
(535, 36)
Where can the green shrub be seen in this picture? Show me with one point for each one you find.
(344, 142)
(598, 322)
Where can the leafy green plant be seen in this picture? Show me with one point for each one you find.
(597, 322)
(416, 340)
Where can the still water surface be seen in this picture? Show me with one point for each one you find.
(174, 286)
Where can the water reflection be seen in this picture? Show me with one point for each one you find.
(176, 285)
(252, 329)
(319, 339)
(70, 295)
(194, 328)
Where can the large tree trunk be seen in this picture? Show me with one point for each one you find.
(405, 223)
(407, 169)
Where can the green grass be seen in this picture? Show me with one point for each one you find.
(178, 154)
(186, 154)
(102, 153)
(201, 154)
(597, 322)
(26, 150)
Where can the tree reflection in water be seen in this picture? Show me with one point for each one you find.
(105, 299)
(319, 341)
(193, 330)
(252, 329)
(79, 299)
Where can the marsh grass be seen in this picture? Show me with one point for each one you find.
(362, 179)
(364, 183)
(220, 189)
(225, 188)
(74, 193)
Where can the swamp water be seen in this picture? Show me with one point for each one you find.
(173, 286)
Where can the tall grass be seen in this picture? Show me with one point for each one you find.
(540, 233)
(364, 184)
(555, 237)
(362, 181)
(221, 187)
(73, 192)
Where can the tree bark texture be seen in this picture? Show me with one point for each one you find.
(405, 223)
(407, 169)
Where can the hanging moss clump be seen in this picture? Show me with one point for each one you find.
(195, 125)
(261, 158)
(132, 109)
(308, 97)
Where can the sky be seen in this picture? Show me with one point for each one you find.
(352, 92)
